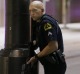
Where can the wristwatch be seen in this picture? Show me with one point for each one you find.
(36, 56)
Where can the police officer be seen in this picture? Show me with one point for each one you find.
(49, 39)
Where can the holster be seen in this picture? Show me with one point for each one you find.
(60, 55)
(53, 58)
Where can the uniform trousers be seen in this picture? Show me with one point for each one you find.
(54, 67)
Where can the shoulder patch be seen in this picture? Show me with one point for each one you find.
(47, 26)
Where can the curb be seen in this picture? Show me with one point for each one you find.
(73, 56)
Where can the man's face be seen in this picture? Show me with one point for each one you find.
(35, 12)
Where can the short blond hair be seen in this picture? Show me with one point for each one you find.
(38, 4)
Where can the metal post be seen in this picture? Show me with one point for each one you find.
(17, 32)
(17, 23)
(68, 10)
(65, 12)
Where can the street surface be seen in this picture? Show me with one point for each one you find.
(72, 50)
(73, 65)
(71, 37)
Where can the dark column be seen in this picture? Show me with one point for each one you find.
(17, 36)
(17, 31)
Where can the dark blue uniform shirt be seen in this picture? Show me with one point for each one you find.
(47, 30)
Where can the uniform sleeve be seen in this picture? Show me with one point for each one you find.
(50, 32)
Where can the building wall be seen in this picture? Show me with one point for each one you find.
(75, 11)
(1, 12)
(54, 8)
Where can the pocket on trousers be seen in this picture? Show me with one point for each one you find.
(49, 59)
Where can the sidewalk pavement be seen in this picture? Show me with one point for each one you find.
(72, 26)
(71, 38)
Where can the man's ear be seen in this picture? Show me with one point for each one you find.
(42, 10)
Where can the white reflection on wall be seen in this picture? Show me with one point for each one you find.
(2, 23)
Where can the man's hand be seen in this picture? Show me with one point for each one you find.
(34, 42)
(32, 59)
